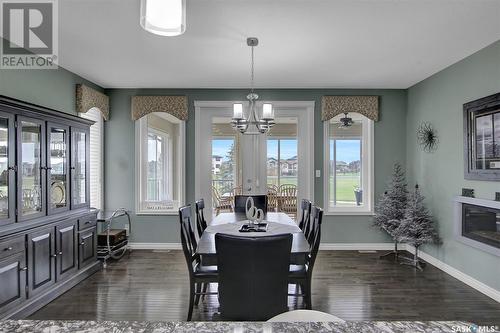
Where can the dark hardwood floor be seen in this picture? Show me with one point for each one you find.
(153, 286)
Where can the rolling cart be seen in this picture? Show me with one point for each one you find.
(116, 241)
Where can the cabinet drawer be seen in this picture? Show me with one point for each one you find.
(87, 222)
(11, 246)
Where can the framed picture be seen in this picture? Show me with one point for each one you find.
(482, 138)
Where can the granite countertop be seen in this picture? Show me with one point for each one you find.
(55, 326)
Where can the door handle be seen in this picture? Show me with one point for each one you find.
(12, 168)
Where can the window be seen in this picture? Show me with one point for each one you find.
(96, 157)
(349, 166)
(282, 161)
(159, 164)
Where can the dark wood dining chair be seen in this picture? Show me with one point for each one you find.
(253, 273)
(198, 275)
(260, 201)
(305, 209)
(301, 275)
(201, 223)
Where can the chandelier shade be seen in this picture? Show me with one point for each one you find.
(163, 17)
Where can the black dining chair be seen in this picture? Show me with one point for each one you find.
(305, 208)
(301, 275)
(198, 275)
(260, 201)
(253, 276)
(201, 223)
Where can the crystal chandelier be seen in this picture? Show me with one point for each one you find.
(252, 124)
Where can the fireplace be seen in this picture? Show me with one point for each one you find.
(481, 224)
(478, 223)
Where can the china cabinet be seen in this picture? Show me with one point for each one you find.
(47, 228)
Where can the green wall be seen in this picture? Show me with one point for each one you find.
(120, 155)
(439, 100)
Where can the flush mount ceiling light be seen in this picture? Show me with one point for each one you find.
(346, 121)
(252, 124)
(164, 17)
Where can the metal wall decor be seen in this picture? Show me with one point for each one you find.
(427, 137)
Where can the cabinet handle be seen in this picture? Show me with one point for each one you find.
(82, 243)
(23, 269)
(8, 248)
(43, 168)
(59, 254)
(53, 255)
(88, 222)
(72, 168)
(12, 168)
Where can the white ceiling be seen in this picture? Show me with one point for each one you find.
(303, 43)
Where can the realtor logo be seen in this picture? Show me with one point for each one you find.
(29, 34)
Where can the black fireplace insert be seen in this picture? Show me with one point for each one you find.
(481, 224)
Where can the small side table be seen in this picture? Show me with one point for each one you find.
(115, 251)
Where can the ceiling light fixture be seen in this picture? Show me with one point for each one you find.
(164, 17)
(252, 121)
(346, 121)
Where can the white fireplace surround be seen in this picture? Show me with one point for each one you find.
(459, 201)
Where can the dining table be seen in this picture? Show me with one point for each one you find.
(230, 223)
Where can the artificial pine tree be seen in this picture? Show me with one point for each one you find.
(417, 227)
(391, 207)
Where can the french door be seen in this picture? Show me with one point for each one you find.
(229, 163)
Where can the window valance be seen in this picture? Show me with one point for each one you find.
(88, 98)
(177, 106)
(332, 106)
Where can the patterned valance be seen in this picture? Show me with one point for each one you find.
(332, 106)
(177, 106)
(88, 98)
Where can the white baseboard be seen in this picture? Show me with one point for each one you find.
(356, 246)
(155, 246)
(467, 279)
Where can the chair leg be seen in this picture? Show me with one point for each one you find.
(307, 292)
(198, 291)
(205, 287)
(191, 300)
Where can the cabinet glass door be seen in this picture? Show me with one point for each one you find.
(31, 165)
(58, 173)
(7, 175)
(79, 168)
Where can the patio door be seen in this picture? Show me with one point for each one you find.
(229, 163)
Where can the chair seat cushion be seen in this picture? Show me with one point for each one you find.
(200, 270)
(297, 270)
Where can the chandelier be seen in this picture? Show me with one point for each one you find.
(346, 121)
(251, 123)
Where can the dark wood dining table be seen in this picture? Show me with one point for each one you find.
(230, 223)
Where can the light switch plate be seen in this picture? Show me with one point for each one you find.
(318, 173)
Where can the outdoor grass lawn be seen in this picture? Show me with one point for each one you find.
(346, 183)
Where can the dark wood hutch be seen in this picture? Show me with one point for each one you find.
(48, 240)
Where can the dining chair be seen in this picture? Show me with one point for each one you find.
(301, 275)
(288, 199)
(253, 274)
(305, 208)
(272, 198)
(201, 223)
(221, 203)
(199, 276)
(260, 201)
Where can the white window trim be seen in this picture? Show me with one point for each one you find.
(140, 126)
(368, 169)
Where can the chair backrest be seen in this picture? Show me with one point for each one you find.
(188, 239)
(305, 208)
(253, 275)
(260, 201)
(201, 223)
(272, 198)
(314, 236)
(288, 199)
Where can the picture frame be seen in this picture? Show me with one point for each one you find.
(482, 138)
